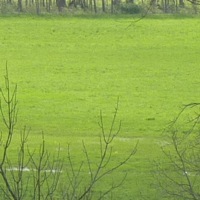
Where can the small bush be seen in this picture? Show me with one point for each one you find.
(6, 8)
(130, 8)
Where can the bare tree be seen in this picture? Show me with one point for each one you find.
(9, 118)
(178, 174)
(41, 177)
(38, 175)
(79, 188)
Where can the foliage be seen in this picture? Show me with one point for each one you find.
(130, 8)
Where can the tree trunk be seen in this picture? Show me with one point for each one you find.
(181, 3)
(95, 6)
(153, 3)
(112, 6)
(48, 5)
(103, 6)
(90, 5)
(166, 5)
(60, 4)
(37, 4)
(20, 5)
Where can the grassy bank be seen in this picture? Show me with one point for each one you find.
(68, 69)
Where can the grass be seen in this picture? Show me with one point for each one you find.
(69, 68)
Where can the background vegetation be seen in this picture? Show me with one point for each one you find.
(68, 69)
(99, 6)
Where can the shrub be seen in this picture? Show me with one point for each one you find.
(130, 8)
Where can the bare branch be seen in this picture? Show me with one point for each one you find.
(181, 173)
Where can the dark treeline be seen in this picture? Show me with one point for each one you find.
(99, 6)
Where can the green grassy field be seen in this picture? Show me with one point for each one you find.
(69, 68)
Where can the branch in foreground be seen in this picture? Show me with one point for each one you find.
(103, 168)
